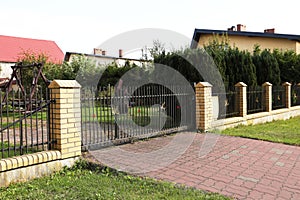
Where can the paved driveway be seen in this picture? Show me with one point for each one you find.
(237, 167)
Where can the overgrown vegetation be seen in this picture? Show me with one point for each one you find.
(253, 68)
(89, 181)
(81, 68)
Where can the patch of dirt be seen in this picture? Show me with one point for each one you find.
(90, 158)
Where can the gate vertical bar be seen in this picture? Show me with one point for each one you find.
(21, 124)
(1, 125)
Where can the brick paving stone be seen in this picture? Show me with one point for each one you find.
(208, 182)
(293, 190)
(249, 185)
(222, 178)
(265, 181)
(285, 194)
(265, 189)
(269, 196)
(281, 198)
(236, 167)
(220, 185)
(237, 182)
(296, 196)
(255, 194)
(237, 190)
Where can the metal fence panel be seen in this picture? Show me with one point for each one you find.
(278, 97)
(24, 122)
(254, 99)
(230, 103)
(112, 116)
(295, 95)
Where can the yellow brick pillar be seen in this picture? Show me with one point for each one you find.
(203, 106)
(65, 117)
(267, 96)
(241, 98)
(287, 87)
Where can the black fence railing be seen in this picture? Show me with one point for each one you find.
(228, 103)
(24, 123)
(112, 115)
(278, 97)
(254, 99)
(295, 95)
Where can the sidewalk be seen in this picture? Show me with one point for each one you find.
(232, 166)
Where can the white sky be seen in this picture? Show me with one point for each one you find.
(81, 25)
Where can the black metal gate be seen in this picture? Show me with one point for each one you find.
(24, 122)
(112, 116)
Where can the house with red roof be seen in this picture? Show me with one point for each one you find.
(11, 48)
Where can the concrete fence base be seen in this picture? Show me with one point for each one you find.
(257, 118)
(31, 166)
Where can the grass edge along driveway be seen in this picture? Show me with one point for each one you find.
(87, 180)
(280, 131)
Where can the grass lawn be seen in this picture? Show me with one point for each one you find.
(5, 154)
(88, 181)
(282, 131)
(10, 118)
(141, 115)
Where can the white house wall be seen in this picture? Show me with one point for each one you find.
(102, 60)
(6, 69)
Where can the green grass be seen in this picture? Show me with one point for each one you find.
(16, 115)
(139, 114)
(88, 181)
(11, 153)
(8, 119)
(282, 131)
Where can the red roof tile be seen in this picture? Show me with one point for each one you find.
(12, 47)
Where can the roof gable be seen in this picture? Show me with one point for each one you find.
(11, 48)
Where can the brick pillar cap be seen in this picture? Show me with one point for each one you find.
(286, 84)
(64, 84)
(240, 84)
(203, 84)
(267, 84)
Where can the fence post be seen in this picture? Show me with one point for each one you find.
(203, 106)
(241, 104)
(287, 87)
(267, 96)
(298, 94)
(65, 117)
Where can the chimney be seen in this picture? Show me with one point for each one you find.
(120, 53)
(97, 51)
(103, 53)
(241, 27)
(231, 28)
(270, 30)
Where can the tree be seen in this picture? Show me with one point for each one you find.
(217, 49)
(289, 65)
(27, 75)
(157, 49)
(240, 67)
(180, 61)
(234, 65)
(267, 68)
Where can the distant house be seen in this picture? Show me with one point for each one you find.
(11, 48)
(245, 40)
(100, 58)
